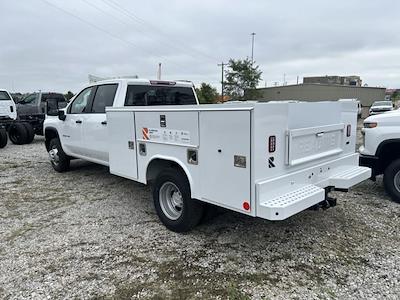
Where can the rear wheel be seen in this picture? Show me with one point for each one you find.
(3, 137)
(18, 134)
(173, 203)
(59, 160)
(391, 180)
(31, 132)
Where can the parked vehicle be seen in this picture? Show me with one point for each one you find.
(23, 120)
(32, 108)
(359, 107)
(381, 150)
(267, 160)
(379, 107)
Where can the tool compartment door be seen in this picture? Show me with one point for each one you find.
(121, 144)
(224, 135)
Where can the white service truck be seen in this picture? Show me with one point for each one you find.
(268, 160)
(381, 149)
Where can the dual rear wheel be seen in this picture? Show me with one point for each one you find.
(21, 133)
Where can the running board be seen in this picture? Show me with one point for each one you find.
(347, 176)
(289, 203)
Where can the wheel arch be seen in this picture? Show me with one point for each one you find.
(49, 134)
(388, 151)
(157, 163)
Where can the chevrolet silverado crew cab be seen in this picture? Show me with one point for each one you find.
(267, 160)
(381, 150)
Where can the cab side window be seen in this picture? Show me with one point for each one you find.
(82, 101)
(104, 97)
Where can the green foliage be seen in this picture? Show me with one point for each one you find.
(69, 95)
(207, 94)
(242, 77)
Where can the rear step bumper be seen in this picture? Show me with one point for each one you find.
(281, 198)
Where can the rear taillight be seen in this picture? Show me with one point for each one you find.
(348, 133)
(11, 109)
(272, 144)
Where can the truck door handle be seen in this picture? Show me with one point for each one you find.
(104, 123)
(319, 134)
(78, 121)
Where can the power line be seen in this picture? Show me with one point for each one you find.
(160, 32)
(129, 43)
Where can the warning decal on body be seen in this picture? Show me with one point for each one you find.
(166, 135)
(145, 133)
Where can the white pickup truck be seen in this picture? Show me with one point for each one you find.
(268, 160)
(381, 149)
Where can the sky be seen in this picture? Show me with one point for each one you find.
(52, 45)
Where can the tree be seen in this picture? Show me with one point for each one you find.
(69, 95)
(207, 93)
(241, 79)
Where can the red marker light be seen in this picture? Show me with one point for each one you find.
(348, 133)
(272, 143)
(246, 205)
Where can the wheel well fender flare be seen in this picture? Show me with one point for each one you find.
(50, 133)
(165, 160)
(384, 144)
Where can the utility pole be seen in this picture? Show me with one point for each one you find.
(222, 65)
(252, 47)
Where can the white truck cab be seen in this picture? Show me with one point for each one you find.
(7, 106)
(8, 114)
(267, 160)
(381, 149)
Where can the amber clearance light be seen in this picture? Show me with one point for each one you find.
(370, 125)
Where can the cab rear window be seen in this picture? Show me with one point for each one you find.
(147, 95)
(4, 96)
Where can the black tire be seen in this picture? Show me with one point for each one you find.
(391, 180)
(31, 132)
(61, 161)
(191, 210)
(18, 134)
(3, 137)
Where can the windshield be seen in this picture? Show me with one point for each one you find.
(4, 96)
(31, 99)
(382, 103)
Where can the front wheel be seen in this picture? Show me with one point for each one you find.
(391, 180)
(173, 203)
(59, 160)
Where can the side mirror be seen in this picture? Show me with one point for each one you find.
(51, 107)
(61, 115)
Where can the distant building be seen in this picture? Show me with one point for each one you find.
(391, 94)
(338, 80)
(323, 92)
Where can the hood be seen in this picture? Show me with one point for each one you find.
(381, 107)
(387, 119)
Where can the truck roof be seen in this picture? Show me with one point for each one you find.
(141, 81)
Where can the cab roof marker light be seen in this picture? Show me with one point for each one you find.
(161, 82)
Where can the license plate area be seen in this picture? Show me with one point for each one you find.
(312, 143)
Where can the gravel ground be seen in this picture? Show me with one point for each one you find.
(88, 234)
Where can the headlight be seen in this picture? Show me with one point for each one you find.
(370, 125)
